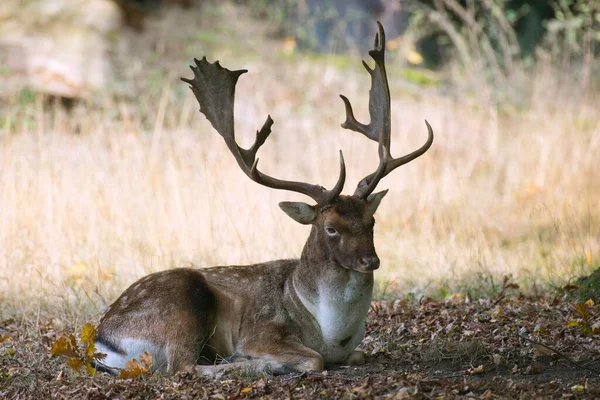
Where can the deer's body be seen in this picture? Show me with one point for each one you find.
(290, 315)
(241, 312)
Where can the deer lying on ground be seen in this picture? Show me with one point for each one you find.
(286, 315)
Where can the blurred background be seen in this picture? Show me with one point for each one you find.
(108, 171)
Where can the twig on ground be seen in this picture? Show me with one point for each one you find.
(495, 303)
(293, 376)
(574, 363)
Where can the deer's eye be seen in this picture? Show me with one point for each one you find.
(331, 231)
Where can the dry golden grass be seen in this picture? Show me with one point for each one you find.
(94, 198)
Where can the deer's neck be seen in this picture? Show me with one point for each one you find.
(330, 292)
(318, 270)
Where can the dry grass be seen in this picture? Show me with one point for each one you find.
(94, 198)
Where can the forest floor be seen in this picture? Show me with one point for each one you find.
(509, 348)
(136, 181)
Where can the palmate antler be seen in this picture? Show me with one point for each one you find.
(214, 88)
(379, 129)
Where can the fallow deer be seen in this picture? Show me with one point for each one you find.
(286, 315)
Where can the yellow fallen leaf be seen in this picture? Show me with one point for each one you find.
(88, 334)
(90, 370)
(64, 347)
(246, 390)
(75, 363)
(146, 359)
(577, 388)
(135, 368)
(79, 357)
(573, 324)
(590, 303)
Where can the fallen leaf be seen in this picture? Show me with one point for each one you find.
(64, 347)
(541, 351)
(146, 359)
(487, 395)
(535, 368)
(577, 388)
(261, 383)
(135, 368)
(403, 393)
(456, 298)
(75, 363)
(88, 334)
(476, 371)
(497, 359)
(246, 390)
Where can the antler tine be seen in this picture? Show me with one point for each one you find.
(379, 128)
(387, 164)
(214, 88)
(379, 97)
(316, 192)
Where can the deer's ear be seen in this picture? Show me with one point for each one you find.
(300, 212)
(374, 199)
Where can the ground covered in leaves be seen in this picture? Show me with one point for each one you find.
(507, 348)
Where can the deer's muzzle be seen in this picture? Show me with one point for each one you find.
(369, 263)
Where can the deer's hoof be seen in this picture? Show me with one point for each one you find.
(313, 364)
(357, 357)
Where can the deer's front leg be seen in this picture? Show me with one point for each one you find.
(284, 352)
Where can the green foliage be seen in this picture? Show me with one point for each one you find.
(587, 287)
(207, 36)
(583, 319)
(501, 30)
(420, 77)
(575, 26)
(497, 41)
(26, 97)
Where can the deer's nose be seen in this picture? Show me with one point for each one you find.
(369, 263)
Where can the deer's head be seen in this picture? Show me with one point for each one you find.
(344, 228)
(342, 224)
